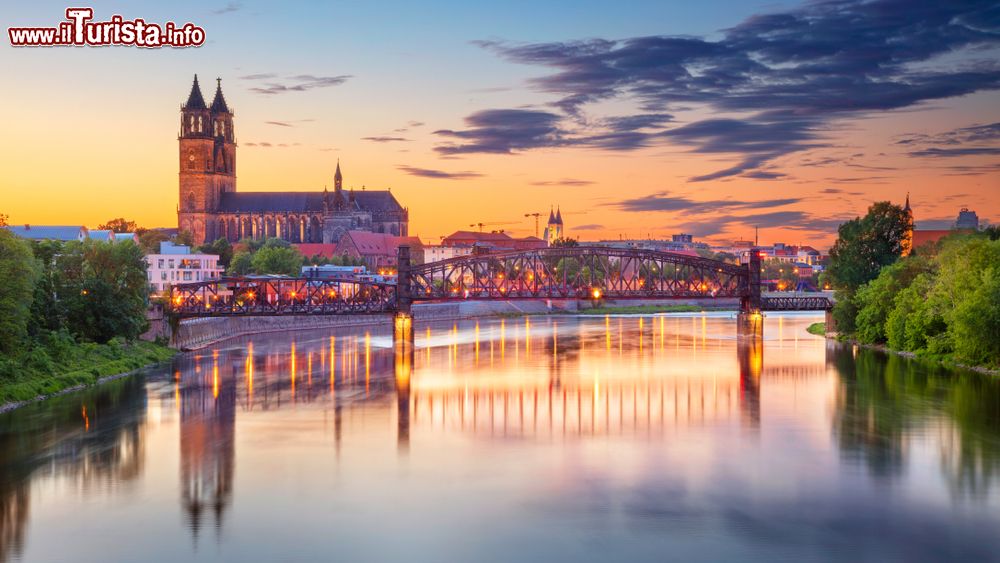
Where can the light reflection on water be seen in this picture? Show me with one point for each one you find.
(536, 438)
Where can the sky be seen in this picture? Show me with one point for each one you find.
(637, 119)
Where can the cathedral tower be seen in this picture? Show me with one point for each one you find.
(207, 162)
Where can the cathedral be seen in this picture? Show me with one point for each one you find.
(210, 208)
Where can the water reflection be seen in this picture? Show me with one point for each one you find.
(701, 432)
(93, 442)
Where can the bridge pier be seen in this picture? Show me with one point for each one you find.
(750, 320)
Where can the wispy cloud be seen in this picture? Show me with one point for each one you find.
(437, 174)
(385, 139)
(271, 83)
(684, 205)
(229, 8)
(563, 182)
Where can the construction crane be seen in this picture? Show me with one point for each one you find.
(481, 225)
(536, 216)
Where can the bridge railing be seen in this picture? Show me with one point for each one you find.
(280, 296)
(575, 272)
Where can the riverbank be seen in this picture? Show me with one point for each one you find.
(61, 366)
(819, 329)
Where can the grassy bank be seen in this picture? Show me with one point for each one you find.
(819, 329)
(58, 363)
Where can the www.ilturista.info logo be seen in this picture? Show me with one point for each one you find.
(78, 30)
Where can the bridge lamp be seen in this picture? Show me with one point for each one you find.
(596, 293)
(250, 295)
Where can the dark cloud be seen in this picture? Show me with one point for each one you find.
(279, 123)
(563, 182)
(229, 8)
(763, 175)
(686, 206)
(589, 227)
(962, 135)
(504, 131)
(385, 139)
(416, 124)
(936, 152)
(273, 84)
(438, 174)
(634, 122)
(789, 75)
(839, 191)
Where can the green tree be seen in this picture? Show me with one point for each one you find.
(185, 238)
(119, 225)
(565, 243)
(876, 298)
(103, 290)
(150, 241)
(976, 322)
(865, 245)
(18, 272)
(220, 247)
(241, 264)
(277, 260)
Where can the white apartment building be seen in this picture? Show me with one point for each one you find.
(175, 264)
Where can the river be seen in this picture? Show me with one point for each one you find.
(563, 438)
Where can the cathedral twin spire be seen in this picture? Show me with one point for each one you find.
(196, 102)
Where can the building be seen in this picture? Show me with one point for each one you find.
(317, 249)
(554, 227)
(51, 232)
(210, 207)
(175, 264)
(967, 220)
(378, 250)
(492, 242)
(436, 253)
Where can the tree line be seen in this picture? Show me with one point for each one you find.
(940, 300)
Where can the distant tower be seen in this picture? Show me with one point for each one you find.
(338, 179)
(907, 244)
(554, 227)
(207, 162)
(967, 220)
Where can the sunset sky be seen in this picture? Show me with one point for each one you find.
(637, 118)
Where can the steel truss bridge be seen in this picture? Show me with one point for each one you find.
(550, 273)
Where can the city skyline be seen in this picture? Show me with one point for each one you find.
(635, 123)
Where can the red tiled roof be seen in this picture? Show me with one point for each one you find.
(314, 249)
(922, 237)
(379, 243)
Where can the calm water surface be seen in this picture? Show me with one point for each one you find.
(547, 439)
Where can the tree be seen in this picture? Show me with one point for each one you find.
(103, 290)
(863, 247)
(119, 225)
(241, 264)
(220, 247)
(875, 299)
(277, 260)
(976, 322)
(565, 243)
(150, 241)
(3, 219)
(185, 238)
(18, 273)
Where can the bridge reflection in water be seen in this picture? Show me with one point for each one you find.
(543, 378)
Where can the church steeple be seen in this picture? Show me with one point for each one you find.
(338, 178)
(195, 100)
(907, 206)
(219, 103)
(558, 216)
